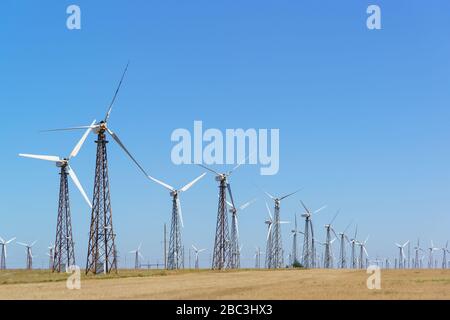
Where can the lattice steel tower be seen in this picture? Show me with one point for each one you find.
(101, 248)
(221, 255)
(64, 253)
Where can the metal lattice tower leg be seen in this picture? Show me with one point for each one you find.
(353, 255)
(306, 246)
(222, 242)
(342, 253)
(313, 255)
(277, 246)
(3, 258)
(327, 259)
(64, 254)
(234, 245)
(101, 250)
(361, 257)
(175, 256)
(269, 250)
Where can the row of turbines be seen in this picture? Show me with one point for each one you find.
(102, 253)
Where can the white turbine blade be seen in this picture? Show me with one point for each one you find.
(269, 231)
(229, 204)
(367, 239)
(189, 185)
(246, 205)
(318, 210)
(78, 184)
(269, 195)
(365, 251)
(22, 244)
(140, 246)
(201, 250)
(81, 142)
(406, 244)
(240, 163)
(72, 128)
(195, 249)
(398, 245)
(40, 157)
(284, 222)
(140, 255)
(134, 252)
(165, 185)
(180, 213)
(1, 240)
(209, 169)
(33, 243)
(268, 210)
(116, 138)
(10, 240)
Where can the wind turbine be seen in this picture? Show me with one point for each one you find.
(29, 253)
(277, 244)
(197, 253)
(51, 255)
(102, 257)
(362, 251)
(402, 254)
(416, 250)
(270, 238)
(257, 257)
(430, 255)
(328, 262)
(342, 253)
(234, 249)
(444, 256)
(353, 243)
(64, 246)
(221, 254)
(4, 243)
(137, 255)
(309, 252)
(294, 233)
(174, 261)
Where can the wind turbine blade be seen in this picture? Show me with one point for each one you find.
(189, 185)
(10, 240)
(165, 185)
(22, 244)
(2, 240)
(367, 239)
(348, 227)
(40, 157)
(140, 255)
(365, 251)
(284, 222)
(140, 246)
(201, 250)
(269, 195)
(231, 195)
(33, 243)
(406, 244)
(80, 143)
(268, 210)
(246, 205)
(398, 245)
(116, 138)
(335, 216)
(318, 210)
(304, 206)
(209, 169)
(71, 128)
(269, 232)
(290, 194)
(78, 184)
(115, 94)
(195, 249)
(180, 213)
(240, 164)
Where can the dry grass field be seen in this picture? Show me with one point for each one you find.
(234, 285)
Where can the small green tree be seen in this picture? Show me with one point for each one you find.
(297, 265)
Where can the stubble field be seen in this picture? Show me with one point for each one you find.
(230, 285)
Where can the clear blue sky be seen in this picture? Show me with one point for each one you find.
(363, 115)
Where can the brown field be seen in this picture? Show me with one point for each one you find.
(234, 285)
